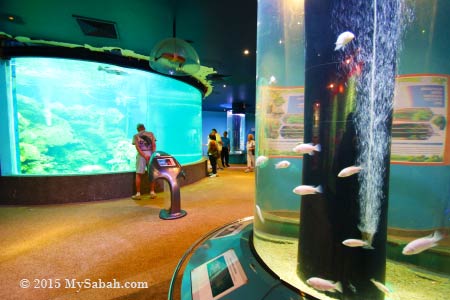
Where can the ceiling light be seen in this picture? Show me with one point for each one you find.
(246, 52)
(11, 18)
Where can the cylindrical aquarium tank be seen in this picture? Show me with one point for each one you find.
(279, 118)
(236, 131)
(66, 116)
(353, 151)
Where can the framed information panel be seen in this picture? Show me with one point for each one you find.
(217, 277)
(421, 112)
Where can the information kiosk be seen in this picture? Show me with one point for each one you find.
(165, 166)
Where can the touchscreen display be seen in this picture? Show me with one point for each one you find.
(166, 162)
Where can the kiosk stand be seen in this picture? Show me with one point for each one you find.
(165, 166)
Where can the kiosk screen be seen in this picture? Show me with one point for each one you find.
(166, 162)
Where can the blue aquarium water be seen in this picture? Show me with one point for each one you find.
(236, 131)
(77, 117)
(394, 72)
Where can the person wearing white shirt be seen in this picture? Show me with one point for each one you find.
(251, 146)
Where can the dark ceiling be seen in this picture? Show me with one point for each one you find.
(220, 31)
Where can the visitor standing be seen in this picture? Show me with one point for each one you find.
(213, 153)
(251, 146)
(225, 154)
(219, 145)
(145, 144)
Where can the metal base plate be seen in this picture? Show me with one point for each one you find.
(166, 215)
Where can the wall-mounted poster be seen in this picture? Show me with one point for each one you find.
(281, 113)
(419, 128)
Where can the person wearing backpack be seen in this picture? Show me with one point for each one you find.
(145, 144)
(213, 153)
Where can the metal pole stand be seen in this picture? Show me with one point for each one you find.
(175, 211)
(165, 166)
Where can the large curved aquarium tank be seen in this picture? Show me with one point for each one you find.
(353, 147)
(66, 116)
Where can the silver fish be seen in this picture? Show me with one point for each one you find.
(308, 189)
(343, 39)
(357, 243)
(422, 244)
(380, 286)
(259, 214)
(307, 148)
(324, 284)
(349, 171)
(282, 164)
(261, 161)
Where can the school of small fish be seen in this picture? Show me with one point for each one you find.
(326, 285)
(414, 247)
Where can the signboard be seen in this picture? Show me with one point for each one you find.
(280, 119)
(166, 162)
(420, 121)
(217, 277)
(419, 129)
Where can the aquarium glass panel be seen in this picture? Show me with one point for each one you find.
(353, 147)
(279, 129)
(77, 117)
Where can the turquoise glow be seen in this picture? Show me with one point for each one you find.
(74, 116)
(419, 177)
